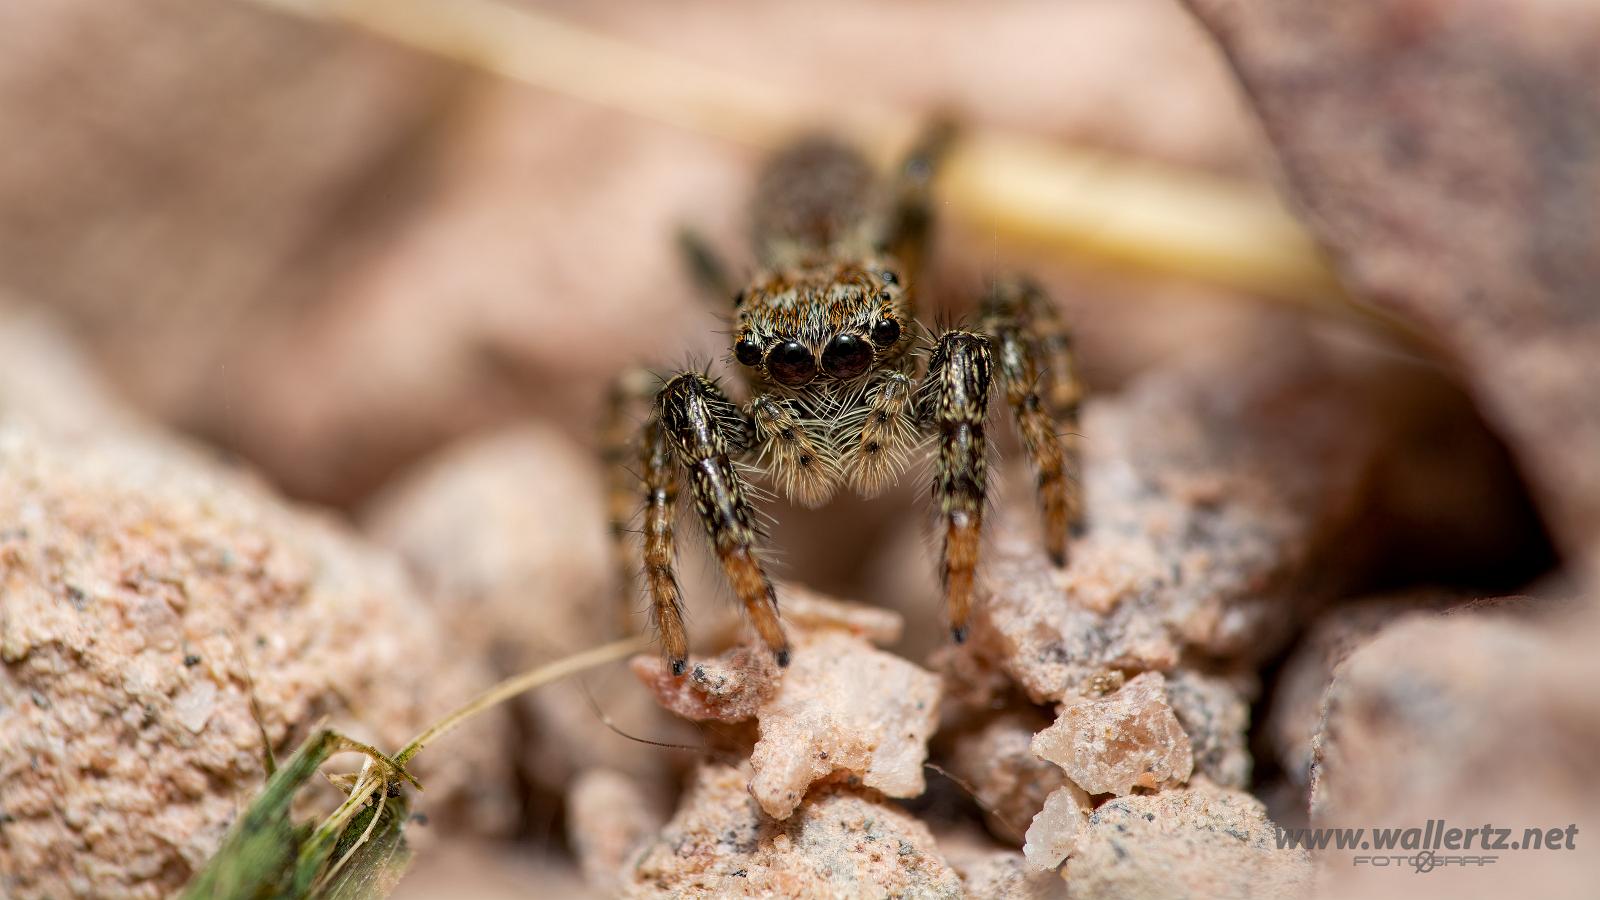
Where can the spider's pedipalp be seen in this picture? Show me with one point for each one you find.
(879, 432)
(957, 401)
(803, 466)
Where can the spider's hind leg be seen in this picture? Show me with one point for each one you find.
(709, 271)
(1033, 352)
(627, 404)
(910, 224)
(704, 430)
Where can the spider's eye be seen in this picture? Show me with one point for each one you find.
(846, 356)
(791, 363)
(889, 277)
(885, 333)
(747, 352)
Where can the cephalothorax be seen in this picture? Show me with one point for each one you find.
(842, 388)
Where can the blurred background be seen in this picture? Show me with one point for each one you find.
(331, 240)
(329, 251)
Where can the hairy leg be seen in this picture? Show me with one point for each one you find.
(911, 218)
(705, 430)
(1025, 344)
(879, 433)
(707, 269)
(627, 404)
(954, 404)
(660, 470)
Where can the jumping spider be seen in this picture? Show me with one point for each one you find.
(841, 388)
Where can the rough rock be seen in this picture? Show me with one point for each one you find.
(1197, 842)
(843, 841)
(1297, 701)
(1447, 155)
(1128, 739)
(1053, 833)
(507, 532)
(732, 686)
(997, 762)
(147, 589)
(1215, 714)
(1431, 709)
(1006, 875)
(841, 708)
(727, 688)
(844, 708)
(1210, 485)
(810, 611)
(610, 817)
(1473, 719)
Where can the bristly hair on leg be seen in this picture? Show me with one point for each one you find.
(958, 383)
(706, 430)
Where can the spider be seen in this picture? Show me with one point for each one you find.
(841, 388)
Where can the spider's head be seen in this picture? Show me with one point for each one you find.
(833, 323)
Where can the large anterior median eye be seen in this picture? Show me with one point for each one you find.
(846, 356)
(791, 364)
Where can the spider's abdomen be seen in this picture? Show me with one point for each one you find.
(812, 197)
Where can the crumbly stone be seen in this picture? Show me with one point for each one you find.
(1122, 741)
(147, 592)
(1208, 484)
(810, 611)
(843, 708)
(727, 688)
(1474, 719)
(1297, 701)
(1215, 713)
(1006, 875)
(1053, 834)
(997, 762)
(1421, 719)
(610, 817)
(842, 842)
(1198, 842)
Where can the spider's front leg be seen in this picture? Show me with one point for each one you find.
(696, 426)
(955, 402)
(1034, 355)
